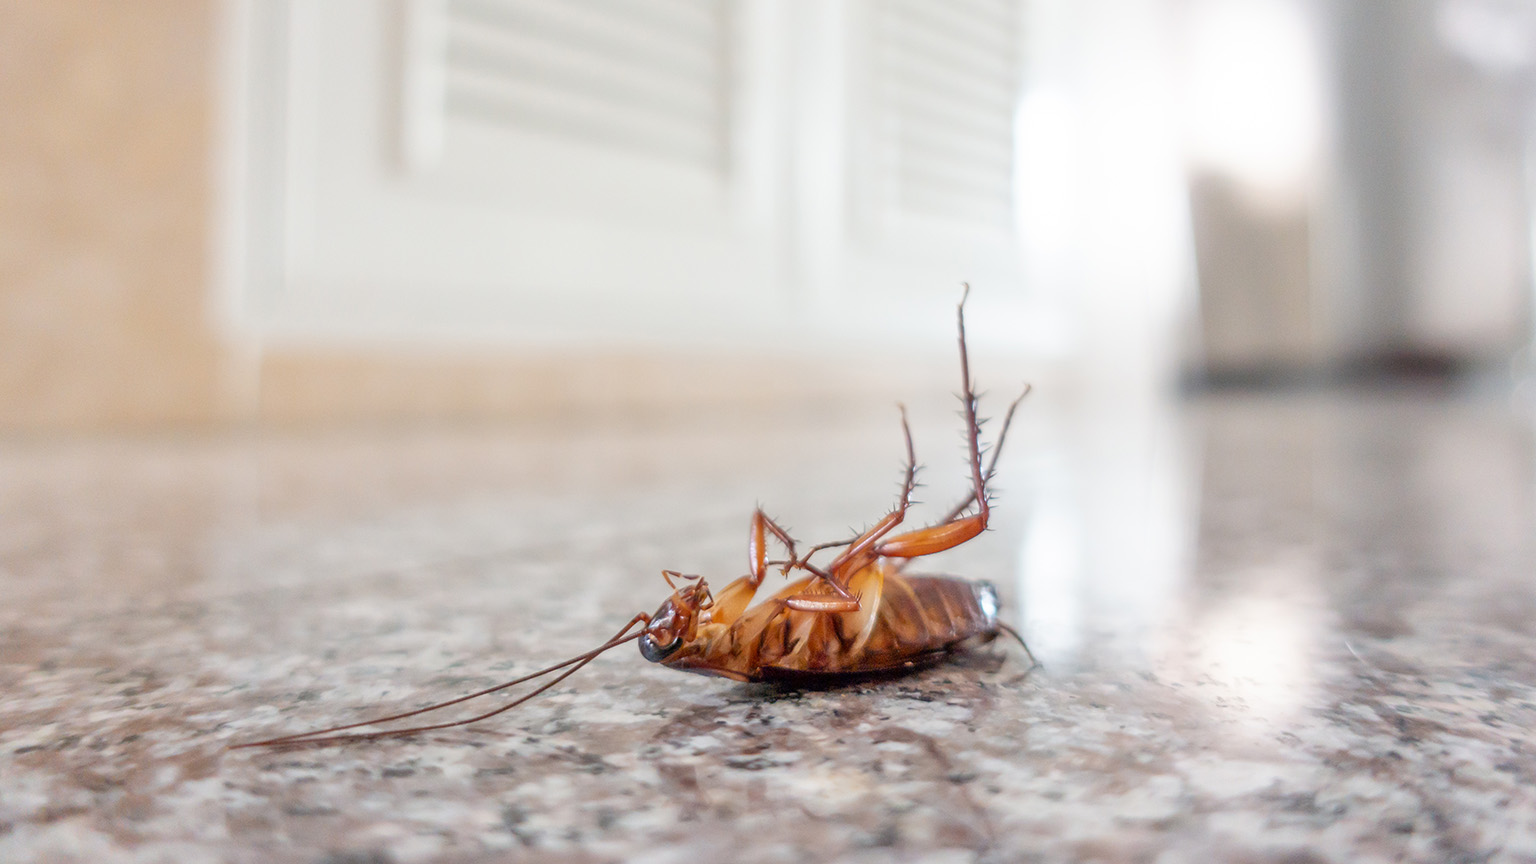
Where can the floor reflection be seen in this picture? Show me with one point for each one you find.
(1109, 537)
(1245, 541)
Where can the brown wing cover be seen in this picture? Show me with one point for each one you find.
(903, 621)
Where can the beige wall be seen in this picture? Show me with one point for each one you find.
(105, 165)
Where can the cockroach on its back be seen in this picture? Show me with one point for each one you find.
(857, 615)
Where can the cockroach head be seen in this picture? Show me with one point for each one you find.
(674, 623)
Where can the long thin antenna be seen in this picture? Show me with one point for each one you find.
(325, 736)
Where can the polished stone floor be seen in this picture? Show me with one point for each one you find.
(1274, 629)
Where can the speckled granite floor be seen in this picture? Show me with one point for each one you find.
(1274, 630)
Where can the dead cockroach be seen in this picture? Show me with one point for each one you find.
(857, 615)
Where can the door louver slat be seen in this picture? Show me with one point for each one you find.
(949, 77)
(644, 76)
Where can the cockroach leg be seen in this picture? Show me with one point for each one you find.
(757, 545)
(734, 598)
(669, 575)
(824, 602)
(829, 545)
(997, 450)
(858, 553)
(839, 601)
(954, 529)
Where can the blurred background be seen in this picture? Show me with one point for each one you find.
(215, 212)
(349, 346)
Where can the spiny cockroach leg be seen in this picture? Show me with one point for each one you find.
(857, 555)
(997, 450)
(757, 545)
(953, 530)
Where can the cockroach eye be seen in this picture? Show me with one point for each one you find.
(654, 651)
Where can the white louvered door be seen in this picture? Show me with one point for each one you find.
(529, 171)
(645, 77)
(925, 129)
(601, 171)
(944, 81)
